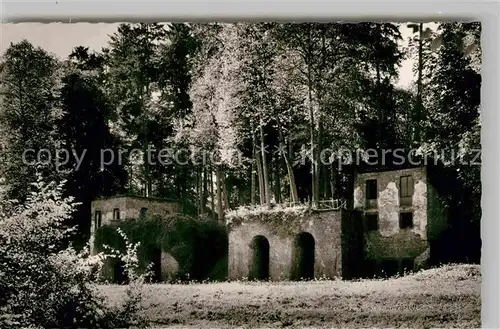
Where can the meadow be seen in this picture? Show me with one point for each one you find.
(445, 297)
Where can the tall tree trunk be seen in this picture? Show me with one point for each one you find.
(204, 193)
(252, 177)
(324, 169)
(144, 92)
(253, 169)
(320, 169)
(418, 105)
(308, 56)
(380, 118)
(225, 191)
(212, 195)
(267, 190)
(261, 178)
(333, 178)
(147, 188)
(184, 192)
(294, 198)
(218, 178)
(319, 144)
(258, 164)
(277, 185)
(198, 192)
(313, 145)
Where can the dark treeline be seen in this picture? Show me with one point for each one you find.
(266, 98)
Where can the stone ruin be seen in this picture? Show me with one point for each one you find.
(389, 230)
(395, 218)
(109, 211)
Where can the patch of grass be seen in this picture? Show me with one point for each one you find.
(445, 297)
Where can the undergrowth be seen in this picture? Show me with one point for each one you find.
(199, 246)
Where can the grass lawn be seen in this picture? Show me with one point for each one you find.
(447, 297)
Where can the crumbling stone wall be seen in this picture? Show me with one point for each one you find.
(106, 207)
(389, 241)
(325, 227)
(114, 273)
(130, 207)
(154, 206)
(169, 267)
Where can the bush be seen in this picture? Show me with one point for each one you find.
(44, 284)
(199, 246)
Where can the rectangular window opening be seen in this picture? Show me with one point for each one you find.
(371, 221)
(405, 220)
(116, 214)
(406, 190)
(371, 189)
(97, 219)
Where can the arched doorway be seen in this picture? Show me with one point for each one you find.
(259, 266)
(303, 257)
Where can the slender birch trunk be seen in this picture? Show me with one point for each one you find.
(267, 191)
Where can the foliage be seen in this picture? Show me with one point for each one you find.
(453, 132)
(83, 129)
(197, 245)
(280, 218)
(130, 312)
(30, 79)
(266, 99)
(44, 284)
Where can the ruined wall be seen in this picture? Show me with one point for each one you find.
(154, 206)
(106, 206)
(130, 207)
(110, 272)
(390, 241)
(325, 227)
(169, 267)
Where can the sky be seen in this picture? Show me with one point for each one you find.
(61, 38)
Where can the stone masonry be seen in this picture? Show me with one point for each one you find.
(129, 207)
(112, 210)
(395, 218)
(324, 227)
(401, 218)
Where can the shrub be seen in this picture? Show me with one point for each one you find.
(42, 283)
(275, 216)
(199, 246)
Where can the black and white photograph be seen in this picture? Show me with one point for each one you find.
(241, 174)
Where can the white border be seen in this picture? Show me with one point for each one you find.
(485, 11)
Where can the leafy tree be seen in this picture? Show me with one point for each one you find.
(174, 82)
(454, 132)
(46, 285)
(131, 76)
(30, 79)
(87, 139)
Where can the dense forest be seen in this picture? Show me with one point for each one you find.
(222, 115)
